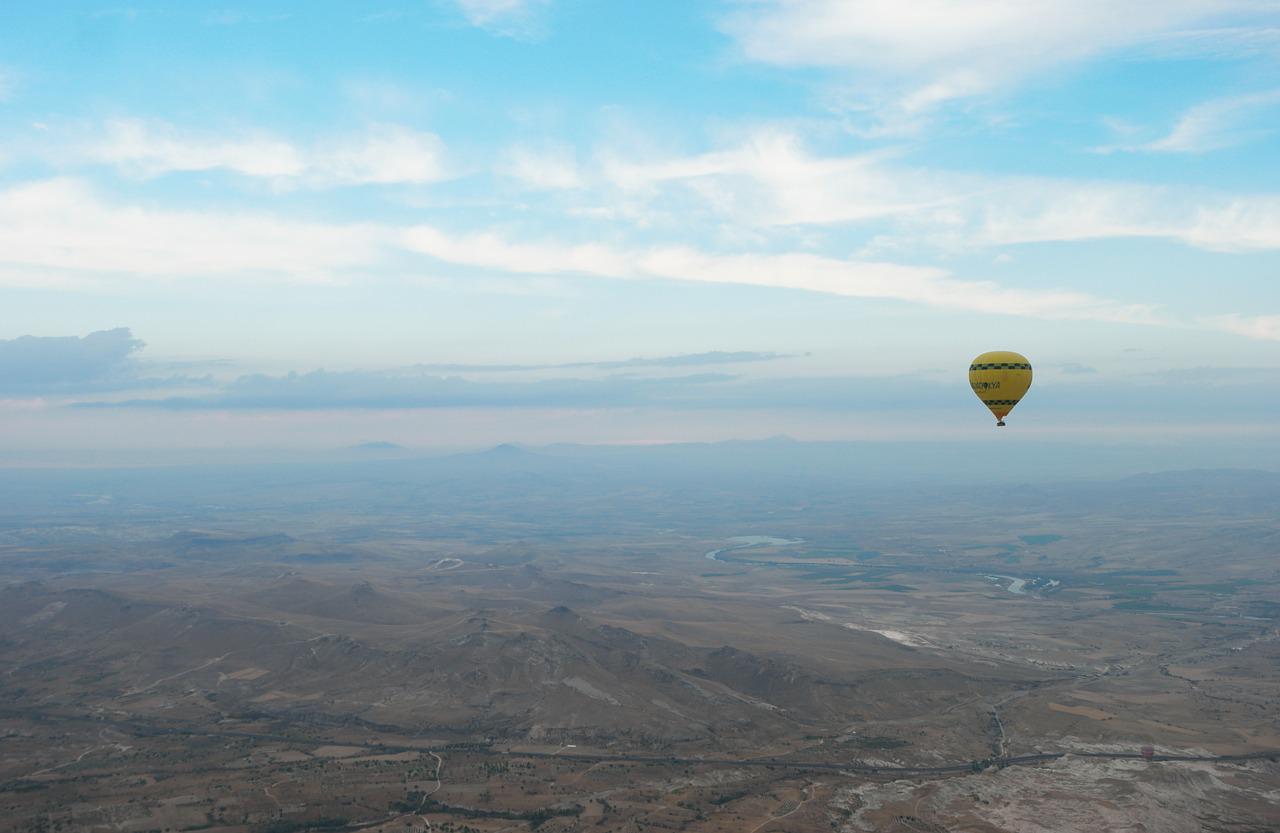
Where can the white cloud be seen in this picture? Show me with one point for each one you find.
(853, 278)
(491, 251)
(152, 148)
(912, 56)
(549, 168)
(1240, 224)
(512, 18)
(383, 154)
(1032, 210)
(1263, 327)
(1219, 124)
(59, 232)
(772, 182)
(768, 184)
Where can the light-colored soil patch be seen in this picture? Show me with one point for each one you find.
(911, 640)
(45, 613)
(1082, 711)
(1190, 672)
(273, 695)
(1072, 795)
(580, 685)
(248, 674)
(901, 637)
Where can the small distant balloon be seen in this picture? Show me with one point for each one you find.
(1000, 379)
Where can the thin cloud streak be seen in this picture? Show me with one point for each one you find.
(62, 227)
(1262, 327)
(1214, 125)
(1172, 400)
(772, 181)
(714, 357)
(381, 155)
(903, 60)
(769, 184)
(381, 390)
(60, 230)
(852, 278)
(521, 19)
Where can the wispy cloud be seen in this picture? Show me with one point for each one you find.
(771, 180)
(61, 231)
(548, 167)
(905, 58)
(853, 278)
(1220, 124)
(380, 390)
(382, 154)
(388, 98)
(235, 17)
(1215, 125)
(711, 358)
(224, 17)
(122, 13)
(1263, 327)
(371, 389)
(151, 148)
(107, 361)
(1029, 210)
(510, 18)
(768, 183)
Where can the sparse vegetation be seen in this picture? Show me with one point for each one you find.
(243, 687)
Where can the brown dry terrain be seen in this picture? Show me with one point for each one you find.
(515, 641)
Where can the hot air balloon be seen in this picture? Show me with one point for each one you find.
(1000, 379)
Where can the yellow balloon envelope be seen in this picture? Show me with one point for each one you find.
(1000, 379)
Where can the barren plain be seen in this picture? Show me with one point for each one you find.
(569, 640)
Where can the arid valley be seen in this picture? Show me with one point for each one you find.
(571, 639)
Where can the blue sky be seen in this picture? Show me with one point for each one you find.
(851, 198)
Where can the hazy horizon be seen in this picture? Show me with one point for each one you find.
(449, 224)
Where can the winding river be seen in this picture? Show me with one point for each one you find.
(742, 542)
(1017, 586)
